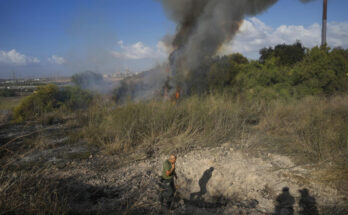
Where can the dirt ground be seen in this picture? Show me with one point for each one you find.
(219, 180)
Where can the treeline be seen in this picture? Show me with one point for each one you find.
(282, 71)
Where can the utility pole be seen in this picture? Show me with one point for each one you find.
(323, 33)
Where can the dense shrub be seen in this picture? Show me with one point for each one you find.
(223, 71)
(321, 72)
(74, 98)
(49, 98)
(43, 100)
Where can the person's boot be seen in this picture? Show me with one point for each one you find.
(160, 198)
(164, 203)
(169, 205)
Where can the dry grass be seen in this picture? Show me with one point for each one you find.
(193, 121)
(23, 187)
(318, 125)
(28, 193)
(312, 131)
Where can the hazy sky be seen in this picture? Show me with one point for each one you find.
(61, 37)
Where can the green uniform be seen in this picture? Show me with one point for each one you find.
(166, 167)
(167, 184)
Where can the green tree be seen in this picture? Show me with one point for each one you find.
(321, 72)
(286, 55)
(223, 71)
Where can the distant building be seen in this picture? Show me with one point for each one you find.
(120, 74)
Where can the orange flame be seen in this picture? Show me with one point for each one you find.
(177, 94)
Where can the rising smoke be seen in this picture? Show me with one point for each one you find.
(203, 26)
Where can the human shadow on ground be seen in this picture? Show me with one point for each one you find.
(307, 203)
(285, 203)
(197, 200)
(216, 202)
(202, 184)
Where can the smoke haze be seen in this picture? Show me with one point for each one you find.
(204, 25)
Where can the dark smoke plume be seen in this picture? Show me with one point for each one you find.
(203, 26)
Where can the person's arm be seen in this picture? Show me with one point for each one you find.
(169, 172)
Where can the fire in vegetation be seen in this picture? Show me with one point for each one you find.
(203, 26)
